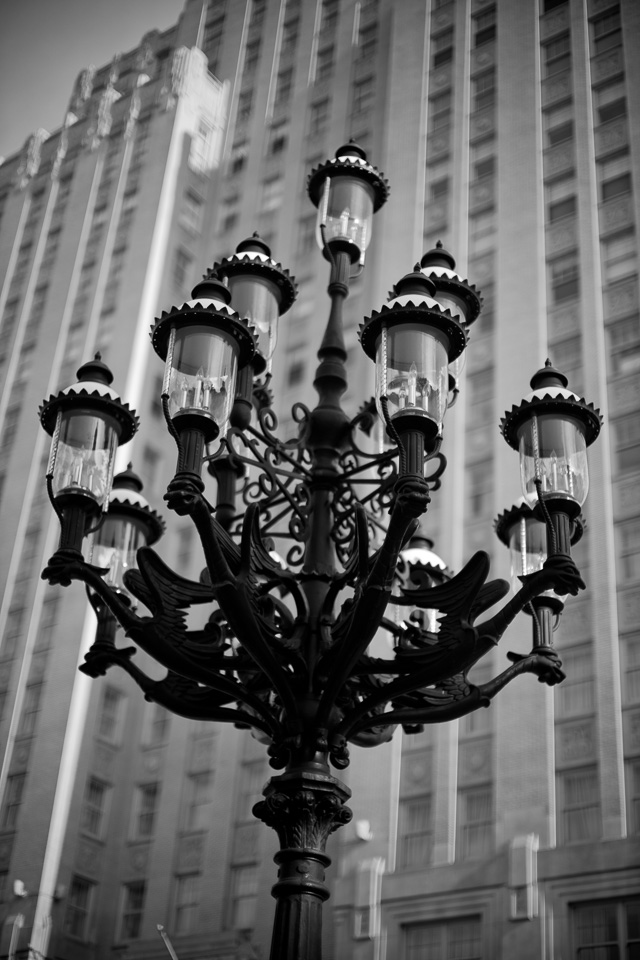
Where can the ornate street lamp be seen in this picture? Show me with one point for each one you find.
(285, 652)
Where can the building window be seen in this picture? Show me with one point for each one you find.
(187, 901)
(272, 194)
(475, 830)
(442, 48)
(606, 31)
(363, 94)
(146, 807)
(284, 87)
(111, 715)
(244, 897)
(79, 902)
(633, 796)
(626, 441)
(483, 88)
(13, 795)
(245, 103)
(415, 833)
(132, 909)
(616, 186)
(192, 212)
(556, 55)
(251, 56)
(440, 111)
(624, 346)
(367, 40)
(199, 794)
(324, 64)
(296, 372)
(610, 103)
(181, 268)
(628, 550)
(564, 278)
(159, 717)
(30, 709)
(619, 256)
(575, 697)
(238, 158)
(458, 939)
(579, 805)
(439, 189)
(631, 674)
(307, 235)
(250, 789)
(278, 139)
(484, 27)
(607, 929)
(318, 117)
(484, 168)
(560, 209)
(201, 147)
(558, 124)
(289, 36)
(94, 807)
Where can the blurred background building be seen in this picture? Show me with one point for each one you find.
(510, 130)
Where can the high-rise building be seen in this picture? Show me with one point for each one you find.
(510, 130)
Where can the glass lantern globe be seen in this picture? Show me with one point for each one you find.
(87, 422)
(261, 291)
(526, 538)
(202, 343)
(413, 342)
(347, 192)
(552, 429)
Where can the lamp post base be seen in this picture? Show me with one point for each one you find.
(304, 806)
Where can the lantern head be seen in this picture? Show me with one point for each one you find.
(203, 343)
(552, 429)
(130, 523)
(453, 293)
(261, 291)
(413, 341)
(87, 422)
(418, 560)
(526, 538)
(347, 192)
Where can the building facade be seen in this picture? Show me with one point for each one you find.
(510, 130)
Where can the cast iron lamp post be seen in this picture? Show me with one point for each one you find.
(286, 649)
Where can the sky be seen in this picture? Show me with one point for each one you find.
(44, 44)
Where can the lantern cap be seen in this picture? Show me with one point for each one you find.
(253, 257)
(208, 308)
(520, 510)
(126, 500)
(419, 552)
(211, 287)
(93, 391)
(438, 265)
(438, 257)
(412, 302)
(350, 160)
(550, 396)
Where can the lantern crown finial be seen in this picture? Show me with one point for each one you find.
(548, 376)
(128, 480)
(211, 287)
(254, 244)
(95, 371)
(414, 283)
(438, 257)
